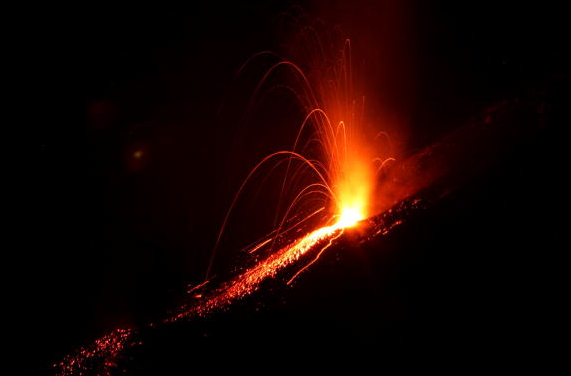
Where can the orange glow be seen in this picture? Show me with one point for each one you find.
(349, 217)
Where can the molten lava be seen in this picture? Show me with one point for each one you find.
(349, 217)
(332, 166)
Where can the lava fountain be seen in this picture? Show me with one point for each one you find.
(334, 157)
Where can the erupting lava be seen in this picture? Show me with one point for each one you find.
(331, 153)
(331, 170)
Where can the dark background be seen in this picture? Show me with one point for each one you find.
(112, 239)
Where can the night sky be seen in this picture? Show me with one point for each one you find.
(131, 174)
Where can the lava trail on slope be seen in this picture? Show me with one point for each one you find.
(408, 186)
